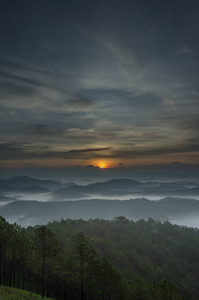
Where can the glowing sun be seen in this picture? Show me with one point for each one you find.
(102, 165)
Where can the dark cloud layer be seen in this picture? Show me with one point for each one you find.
(88, 150)
(80, 103)
(89, 80)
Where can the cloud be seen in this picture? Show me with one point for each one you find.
(44, 130)
(42, 85)
(157, 151)
(10, 90)
(22, 79)
(25, 150)
(128, 81)
(21, 150)
(88, 150)
(13, 150)
(170, 103)
(186, 50)
(80, 103)
(13, 66)
(58, 137)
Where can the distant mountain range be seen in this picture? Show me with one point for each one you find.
(125, 187)
(111, 188)
(93, 200)
(35, 212)
(4, 198)
(25, 184)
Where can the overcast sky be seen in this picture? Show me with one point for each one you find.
(93, 82)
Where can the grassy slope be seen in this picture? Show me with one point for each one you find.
(7, 293)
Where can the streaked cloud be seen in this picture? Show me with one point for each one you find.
(170, 103)
(111, 80)
(88, 150)
(80, 103)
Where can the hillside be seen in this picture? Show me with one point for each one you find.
(7, 293)
(100, 259)
(142, 250)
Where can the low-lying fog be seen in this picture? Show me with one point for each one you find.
(46, 197)
(178, 201)
(22, 220)
(189, 221)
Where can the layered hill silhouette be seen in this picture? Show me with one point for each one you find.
(35, 212)
(26, 184)
(110, 188)
(125, 187)
(96, 200)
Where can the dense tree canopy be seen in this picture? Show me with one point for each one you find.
(101, 259)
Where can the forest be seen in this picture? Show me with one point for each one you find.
(101, 259)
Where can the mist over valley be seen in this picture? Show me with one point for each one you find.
(30, 201)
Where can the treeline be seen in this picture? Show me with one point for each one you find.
(146, 250)
(88, 260)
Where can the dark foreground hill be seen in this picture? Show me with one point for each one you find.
(101, 260)
(7, 293)
(143, 250)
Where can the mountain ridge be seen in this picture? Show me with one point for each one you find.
(134, 209)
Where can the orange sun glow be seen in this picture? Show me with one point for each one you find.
(102, 165)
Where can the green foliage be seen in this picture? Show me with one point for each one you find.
(148, 250)
(101, 260)
(46, 248)
(7, 293)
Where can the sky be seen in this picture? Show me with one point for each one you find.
(109, 84)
